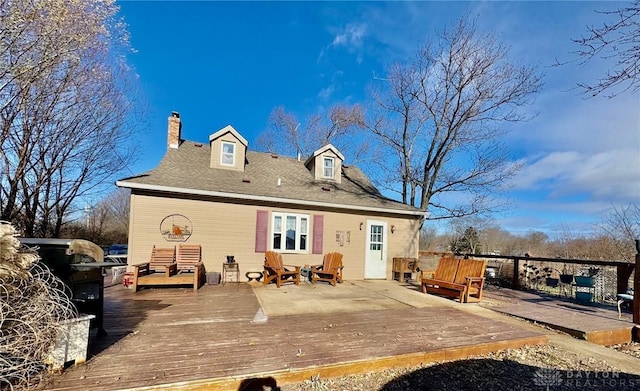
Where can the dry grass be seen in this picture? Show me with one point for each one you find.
(32, 303)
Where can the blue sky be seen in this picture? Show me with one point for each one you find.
(221, 63)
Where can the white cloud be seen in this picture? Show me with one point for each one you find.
(327, 92)
(334, 81)
(568, 121)
(538, 170)
(351, 36)
(606, 176)
(553, 217)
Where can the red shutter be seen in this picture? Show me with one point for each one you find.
(318, 227)
(262, 230)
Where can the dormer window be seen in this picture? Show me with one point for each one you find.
(228, 150)
(228, 155)
(326, 164)
(328, 167)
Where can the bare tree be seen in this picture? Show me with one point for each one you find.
(494, 239)
(622, 226)
(398, 119)
(428, 238)
(440, 115)
(470, 233)
(290, 136)
(614, 41)
(106, 221)
(65, 100)
(118, 204)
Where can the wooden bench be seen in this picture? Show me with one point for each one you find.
(163, 268)
(457, 278)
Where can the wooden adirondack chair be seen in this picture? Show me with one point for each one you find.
(330, 270)
(274, 269)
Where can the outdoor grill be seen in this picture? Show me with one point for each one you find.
(79, 264)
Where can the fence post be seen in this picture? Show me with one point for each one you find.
(516, 273)
(636, 286)
(623, 272)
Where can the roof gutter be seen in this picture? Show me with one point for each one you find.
(140, 186)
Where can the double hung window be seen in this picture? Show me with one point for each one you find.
(327, 167)
(228, 155)
(290, 232)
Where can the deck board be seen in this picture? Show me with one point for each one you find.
(159, 337)
(592, 322)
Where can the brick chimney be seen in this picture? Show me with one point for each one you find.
(175, 128)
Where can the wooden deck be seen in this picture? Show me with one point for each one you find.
(593, 322)
(216, 337)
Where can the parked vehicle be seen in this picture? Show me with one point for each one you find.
(117, 249)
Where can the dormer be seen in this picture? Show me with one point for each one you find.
(326, 164)
(228, 149)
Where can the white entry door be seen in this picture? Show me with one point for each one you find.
(375, 263)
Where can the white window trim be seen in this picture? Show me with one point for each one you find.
(333, 167)
(223, 154)
(283, 233)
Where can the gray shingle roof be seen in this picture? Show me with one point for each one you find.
(187, 168)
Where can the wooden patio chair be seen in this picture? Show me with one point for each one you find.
(330, 270)
(188, 257)
(276, 270)
(163, 260)
(189, 260)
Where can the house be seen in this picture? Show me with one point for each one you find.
(234, 201)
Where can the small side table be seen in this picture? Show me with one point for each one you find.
(230, 272)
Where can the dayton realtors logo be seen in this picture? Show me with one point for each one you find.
(547, 377)
(176, 228)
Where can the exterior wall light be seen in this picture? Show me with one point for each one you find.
(393, 229)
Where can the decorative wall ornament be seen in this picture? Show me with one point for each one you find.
(176, 228)
(340, 237)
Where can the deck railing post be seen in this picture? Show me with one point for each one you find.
(623, 272)
(516, 273)
(636, 286)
